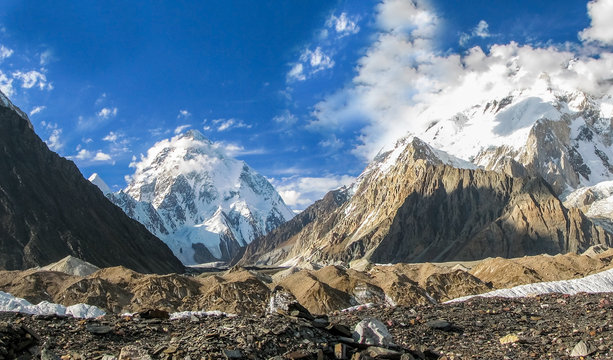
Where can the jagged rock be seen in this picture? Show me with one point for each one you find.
(404, 195)
(582, 349)
(48, 210)
(372, 332)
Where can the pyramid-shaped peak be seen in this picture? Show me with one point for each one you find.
(194, 134)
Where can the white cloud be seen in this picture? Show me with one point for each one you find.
(89, 156)
(33, 78)
(332, 142)
(403, 82)
(100, 156)
(296, 73)
(286, 117)
(6, 85)
(106, 113)
(54, 141)
(317, 60)
(179, 129)
(228, 124)
(37, 109)
(45, 57)
(300, 192)
(5, 53)
(343, 24)
(111, 137)
(83, 154)
(311, 62)
(233, 150)
(184, 114)
(480, 31)
(601, 27)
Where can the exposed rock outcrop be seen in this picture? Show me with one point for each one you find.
(416, 204)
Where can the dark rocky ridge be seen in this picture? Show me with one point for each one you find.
(48, 210)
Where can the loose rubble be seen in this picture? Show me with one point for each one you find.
(548, 326)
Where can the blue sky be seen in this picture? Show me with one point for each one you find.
(278, 83)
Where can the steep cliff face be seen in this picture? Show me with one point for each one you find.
(274, 247)
(48, 210)
(416, 204)
(203, 203)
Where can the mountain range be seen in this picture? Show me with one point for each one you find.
(48, 210)
(489, 181)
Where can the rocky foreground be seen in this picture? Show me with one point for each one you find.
(549, 326)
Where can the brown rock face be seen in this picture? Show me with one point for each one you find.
(48, 211)
(411, 207)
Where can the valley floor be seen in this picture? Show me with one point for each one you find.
(546, 326)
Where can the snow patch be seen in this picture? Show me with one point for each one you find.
(11, 303)
(596, 283)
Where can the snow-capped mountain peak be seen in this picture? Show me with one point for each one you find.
(203, 203)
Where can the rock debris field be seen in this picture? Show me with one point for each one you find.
(551, 326)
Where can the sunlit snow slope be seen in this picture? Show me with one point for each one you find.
(204, 204)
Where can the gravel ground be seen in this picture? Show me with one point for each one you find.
(547, 327)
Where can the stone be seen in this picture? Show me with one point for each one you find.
(133, 352)
(372, 331)
(383, 353)
(232, 354)
(509, 339)
(340, 351)
(154, 314)
(582, 349)
(98, 329)
(439, 325)
(298, 355)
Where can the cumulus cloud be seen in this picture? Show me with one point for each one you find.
(54, 141)
(179, 129)
(33, 78)
(83, 154)
(111, 137)
(403, 82)
(312, 62)
(343, 24)
(317, 57)
(300, 192)
(480, 31)
(100, 156)
(106, 113)
(6, 84)
(37, 109)
(601, 27)
(87, 156)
